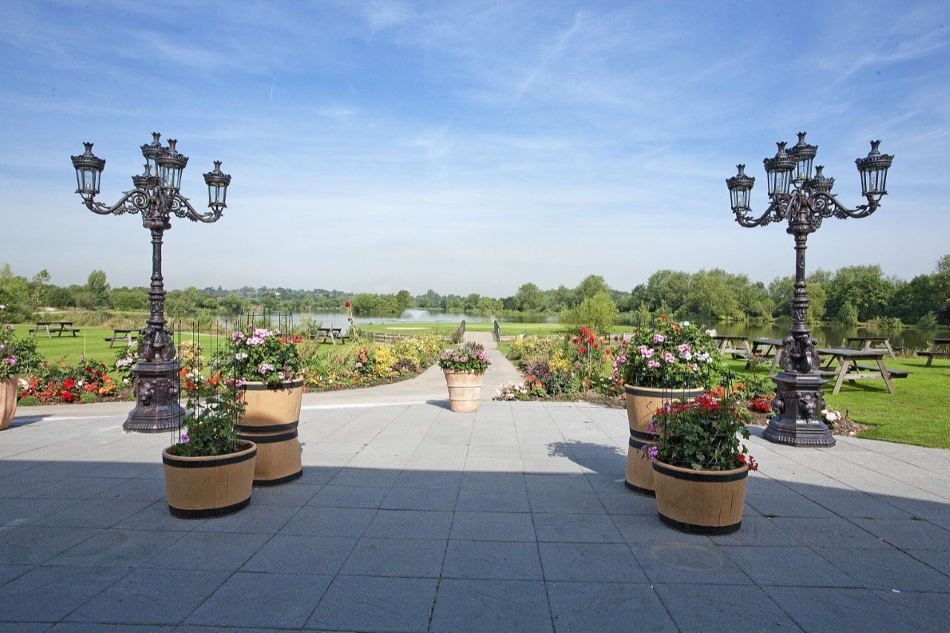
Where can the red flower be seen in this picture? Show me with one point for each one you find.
(581, 349)
(347, 304)
(69, 383)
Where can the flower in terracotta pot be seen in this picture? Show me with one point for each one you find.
(669, 355)
(703, 434)
(469, 357)
(262, 355)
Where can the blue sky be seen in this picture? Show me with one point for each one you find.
(468, 146)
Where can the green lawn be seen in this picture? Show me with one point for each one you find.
(917, 413)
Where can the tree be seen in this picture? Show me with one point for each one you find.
(596, 313)
(589, 287)
(864, 287)
(529, 298)
(403, 301)
(98, 288)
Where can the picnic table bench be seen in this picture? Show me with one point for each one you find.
(851, 368)
(871, 342)
(767, 349)
(940, 348)
(120, 334)
(54, 327)
(329, 335)
(737, 346)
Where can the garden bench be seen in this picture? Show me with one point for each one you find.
(849, 366)
(328, 335)
(54, 327)
(939, 349)
(737, 346)
(120, 334)
(871, 342)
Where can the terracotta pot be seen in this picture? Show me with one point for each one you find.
(270, 420)
(642, 402)
(464, 389)
(8, 394)
(700, 501)
(203, 487)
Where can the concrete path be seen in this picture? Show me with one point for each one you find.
(427, 387)
(412, 518)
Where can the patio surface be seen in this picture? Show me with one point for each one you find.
(409, 517)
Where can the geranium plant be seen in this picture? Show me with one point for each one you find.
(209, 425)
(703, 434)
(17, 355)
(669, 355)
(262, 355)
(470, 357)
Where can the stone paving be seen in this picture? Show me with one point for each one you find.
(412, 518)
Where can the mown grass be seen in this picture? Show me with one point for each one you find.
(917, 413)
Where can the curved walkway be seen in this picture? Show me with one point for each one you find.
(427, 387)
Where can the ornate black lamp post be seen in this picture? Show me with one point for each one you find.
(156, 197)
(803, 200)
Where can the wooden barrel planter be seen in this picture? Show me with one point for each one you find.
(213, 486)
(8, 401)
(465, 387)
(270, 420)
(642, 402)
(700, 501)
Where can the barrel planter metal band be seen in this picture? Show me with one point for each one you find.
(642, 402)
(639, 473)
(278, 459)
(271, 418)
(212, 486)
(700, 501)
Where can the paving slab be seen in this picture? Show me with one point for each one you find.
(409, 517)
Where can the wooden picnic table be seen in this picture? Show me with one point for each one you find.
(871, 342)
(54, 327)
(767, 349)
(738, 346)
(120, 334)
(940, 348)
(850, 366)
(328, 334)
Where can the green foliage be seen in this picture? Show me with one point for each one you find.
(18, 355)
(210, 427)
(597, 313)
(261, 355)
(670, 355)
(847, 314)
(703, 434)
(469, 357)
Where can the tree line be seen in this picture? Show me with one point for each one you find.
(849, 295)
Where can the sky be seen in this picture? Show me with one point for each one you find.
(468, 147)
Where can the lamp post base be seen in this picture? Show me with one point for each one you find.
(156, 398)
(798, 401)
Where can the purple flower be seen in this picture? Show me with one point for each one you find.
(265, 368)
(658, 338)
(652, 453)
(184, 438)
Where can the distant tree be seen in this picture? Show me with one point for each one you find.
(597, 313)
(130, 298)
(529, 298)
(404, 301)
(864, 287)
(231, 303)
(98, 287)
(560, 298)
(590, 286)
